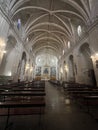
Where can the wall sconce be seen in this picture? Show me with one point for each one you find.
(61, 70)
(27, 66)
(31, 69)
(9, 73)
(66, 68)
(4, 51)
(2, 42)
(92, 57)
(95, 56)
(2, 45)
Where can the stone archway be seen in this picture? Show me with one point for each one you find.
(65, 69)
(71, 76)
(8, 57)
(87, 65)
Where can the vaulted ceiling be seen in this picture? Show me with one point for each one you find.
(49, 24)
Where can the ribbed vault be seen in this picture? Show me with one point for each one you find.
(48, 24)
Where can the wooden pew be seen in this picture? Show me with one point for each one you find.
(15, 86)
(21, 104)
(18, 101)
(85, 96)
(22, 98)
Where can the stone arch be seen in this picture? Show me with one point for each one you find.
(71, 75)
(8, 59)
(87, 64)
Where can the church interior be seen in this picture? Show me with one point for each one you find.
(49, 64)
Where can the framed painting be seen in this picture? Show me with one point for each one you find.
(38, 71)
(53, 71)
(46, 70)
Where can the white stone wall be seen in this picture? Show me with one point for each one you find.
(93, 38)
(9, 61)
(4, 27)
(82, 77)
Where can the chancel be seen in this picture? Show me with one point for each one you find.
(49, 64)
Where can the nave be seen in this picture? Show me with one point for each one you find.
(58, 115)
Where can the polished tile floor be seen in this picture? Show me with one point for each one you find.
(60, 114)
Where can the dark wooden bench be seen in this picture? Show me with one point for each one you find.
(18, 101)
(90, 101)
(22, 98)
(21, 104)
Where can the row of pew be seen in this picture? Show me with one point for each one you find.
(84, 95)
(22, 98)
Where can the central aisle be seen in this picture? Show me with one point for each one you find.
(62, 116)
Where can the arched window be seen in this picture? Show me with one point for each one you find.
(69, 44)
(19, 24)
(79, 30)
